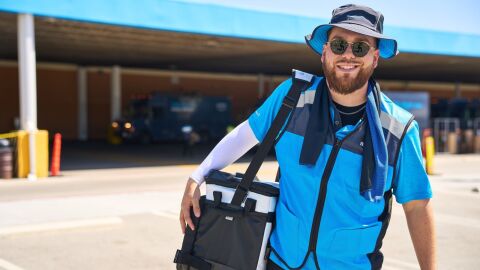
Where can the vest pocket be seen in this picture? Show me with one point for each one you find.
(355, 241)
(286, 234)
(368, 211)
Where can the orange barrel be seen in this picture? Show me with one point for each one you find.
(477, 144)
(469, 140)
(6, 160)
(452, 143)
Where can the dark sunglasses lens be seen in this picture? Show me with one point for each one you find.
(338, 46)
(360, 49)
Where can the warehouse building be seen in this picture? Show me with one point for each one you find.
(72, 67)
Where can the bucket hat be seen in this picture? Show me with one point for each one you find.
(358, 19)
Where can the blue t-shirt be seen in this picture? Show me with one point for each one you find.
(350, 225)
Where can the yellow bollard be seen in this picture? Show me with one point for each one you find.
(429, 154)
(41, 150)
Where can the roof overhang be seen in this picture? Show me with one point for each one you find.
(82, 43)
(223, 21)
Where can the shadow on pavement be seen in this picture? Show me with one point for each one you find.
(101, 155)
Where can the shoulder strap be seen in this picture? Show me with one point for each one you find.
(300, 82)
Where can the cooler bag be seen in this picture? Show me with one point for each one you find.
(238, 211)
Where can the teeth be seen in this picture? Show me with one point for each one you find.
(347, 67)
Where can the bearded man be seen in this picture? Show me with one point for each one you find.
(345, 152)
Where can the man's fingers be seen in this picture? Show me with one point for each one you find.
(186, 216)
(196, 207)
(182, 222)
(190, 198)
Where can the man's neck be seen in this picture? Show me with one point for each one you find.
(355, 98)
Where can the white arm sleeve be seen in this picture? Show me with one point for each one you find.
(234, 145)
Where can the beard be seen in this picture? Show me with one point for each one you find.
(346, 84)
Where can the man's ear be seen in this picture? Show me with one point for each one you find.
(376, 57)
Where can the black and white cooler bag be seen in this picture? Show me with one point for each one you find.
(238, 211)
(230, 237)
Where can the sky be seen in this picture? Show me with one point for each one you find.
(460, 16)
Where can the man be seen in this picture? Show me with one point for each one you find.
(346, 150)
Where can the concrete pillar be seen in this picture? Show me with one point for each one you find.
(458, 91)
(28, 84)
(116, 93)
(82, 104)
(261, 85)
(271, 83)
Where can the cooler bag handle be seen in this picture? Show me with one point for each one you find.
(300, 82)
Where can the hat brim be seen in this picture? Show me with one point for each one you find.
(318, 38)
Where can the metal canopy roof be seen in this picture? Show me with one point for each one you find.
(66, 41)
(189, 16)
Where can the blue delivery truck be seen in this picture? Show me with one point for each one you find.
(161, 117)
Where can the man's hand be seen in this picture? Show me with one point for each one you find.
(191, 197)
(419, 215)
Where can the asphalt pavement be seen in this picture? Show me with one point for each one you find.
(123, 213)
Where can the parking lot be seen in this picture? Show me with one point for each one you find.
(118, 209)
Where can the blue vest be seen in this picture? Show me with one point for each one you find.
(322, 220)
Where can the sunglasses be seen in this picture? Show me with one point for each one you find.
(359, 48)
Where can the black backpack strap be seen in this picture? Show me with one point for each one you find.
(182, 257)
(300, 82)
(279, 174)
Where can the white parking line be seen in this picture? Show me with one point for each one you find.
(458, 221)
(386, 266)
(60, 225)
(393, 264)
(450, 219)
(170, 215)
(5, 265)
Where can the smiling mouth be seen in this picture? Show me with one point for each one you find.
(347, 67)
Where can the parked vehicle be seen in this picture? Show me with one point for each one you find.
(160, 117)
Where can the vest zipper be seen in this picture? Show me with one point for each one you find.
(321, 197)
